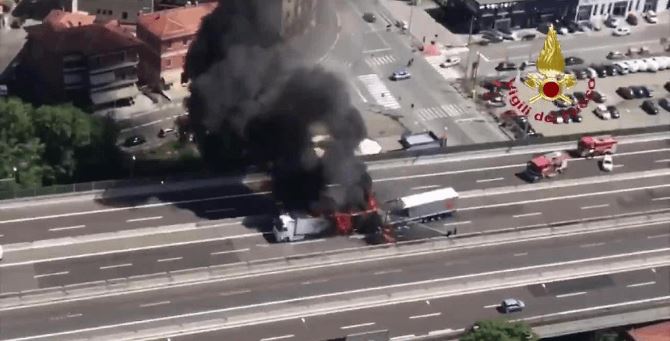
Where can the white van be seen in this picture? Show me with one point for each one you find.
(652, 66)
(632, 66)
(641, 65)
(621, 67)
(663, 62)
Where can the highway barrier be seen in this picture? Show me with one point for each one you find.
(305, 307)
(145, 186)
(302, 262)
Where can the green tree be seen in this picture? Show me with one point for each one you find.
(499, 330)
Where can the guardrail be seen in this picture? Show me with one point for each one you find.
(306, 261)
(103, 185)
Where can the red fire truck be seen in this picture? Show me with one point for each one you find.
(546, 166)
(589, 146)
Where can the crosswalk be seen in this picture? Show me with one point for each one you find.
(448, 73)
(380, 60)
(332, 62)
(379, 91)
(447, 110)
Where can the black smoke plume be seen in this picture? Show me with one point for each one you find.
(254, 101)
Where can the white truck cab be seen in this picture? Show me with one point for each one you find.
(289, 227)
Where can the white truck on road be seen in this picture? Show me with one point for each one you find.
(427, 206)
(294, 226)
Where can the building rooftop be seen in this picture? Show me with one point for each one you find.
(654, 332)
(66, 32)
(175, 22)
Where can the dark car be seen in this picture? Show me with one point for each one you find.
(598, 96)
(572, 26)
(641, 91)
(579, 95)
(664, 103)
(495, 85)
(615, 55)
(369, 17)
(600, 70)
(667, 86)
(614, 112)
(573, 61)
(528, 36)
(650, 107)
(625, 92)
(134, 141)
(631, 19)
(506, 66)
(581, 73)
(611, 70)
(492, 36)
(492, 96)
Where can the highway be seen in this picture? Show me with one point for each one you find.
(22, 224)
(487, 212)
(271, 289)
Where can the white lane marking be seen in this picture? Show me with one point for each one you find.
(287, 336)
(144, 219)
(594, 206)
(572, 294)
(526, 215)
(127, 208)
(520, 254)
(169, 259)
(403, 337)
(125, 265)
(2, 235)
(640, 284)
(661, 198)
(619, 165)
(489, 180)
(461, 171)
(67, 228)
(491, 306)
(229, 251)
(582, 49)
(377, 50)
(236, 292)
(592, 245)
(151, 247)
(659, 236)
(153, 304)
(358, 325)
(458, 223)
(523, 202)
(62, 317)
(219, 210)
(360, 93)
(314, 282)
(519, 46)
(662, 161)
(424, 187)
(484, 57)
(309, 241)
(357, 236)
(209, 312)
(424, 316)
(384, 272)
(52, 274)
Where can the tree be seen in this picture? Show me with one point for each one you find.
(499, 330)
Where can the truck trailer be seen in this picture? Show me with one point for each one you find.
(427, 206)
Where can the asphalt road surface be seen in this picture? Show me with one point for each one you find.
(81, 218)
(248, 293)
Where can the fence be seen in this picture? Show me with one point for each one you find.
(15, 193)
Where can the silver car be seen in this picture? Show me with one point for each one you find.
(511, 305)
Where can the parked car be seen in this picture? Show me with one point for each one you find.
(662, 61)
(165, 131)
(632, 66)
(602, 112)
(493, 96)
(607, 163)
(528, 36)
(641, 66)
(650, 107)
(625, 92)
(506, 66)
(451, 61)
(615, 55)
(612, 22)
(614, 112)
(573, 61)
(495, 84)
(579, 95)
(592, 73)
(507, 116)
(598, 96)
(610, 70)
(621, 31)
(511, 305)
(631, 19)
(493, 103)
(493, 36)
(134, 141)
(621, 68)
(651, 17)
(527, 63)
(664, 103)
(652, 65)
(585, 26)
(667, 86)
(400, 75)
(581, 73)
(641, 91)
(369, 17)
(600, 70)
(507, 34)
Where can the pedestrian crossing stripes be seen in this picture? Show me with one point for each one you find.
(453, 72)
(433, 113)
(379, 91)
(332, 62)
(380, 60)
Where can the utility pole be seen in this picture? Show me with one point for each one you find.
(411, 14)
(467, 62)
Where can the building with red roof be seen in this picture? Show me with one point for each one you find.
(654, 332)
(74, 58)
(167, 36)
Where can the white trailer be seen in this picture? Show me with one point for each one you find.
(427, 205)
(295, 226)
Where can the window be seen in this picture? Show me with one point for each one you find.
(602, 9)
(609, 8)
(124, 15)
